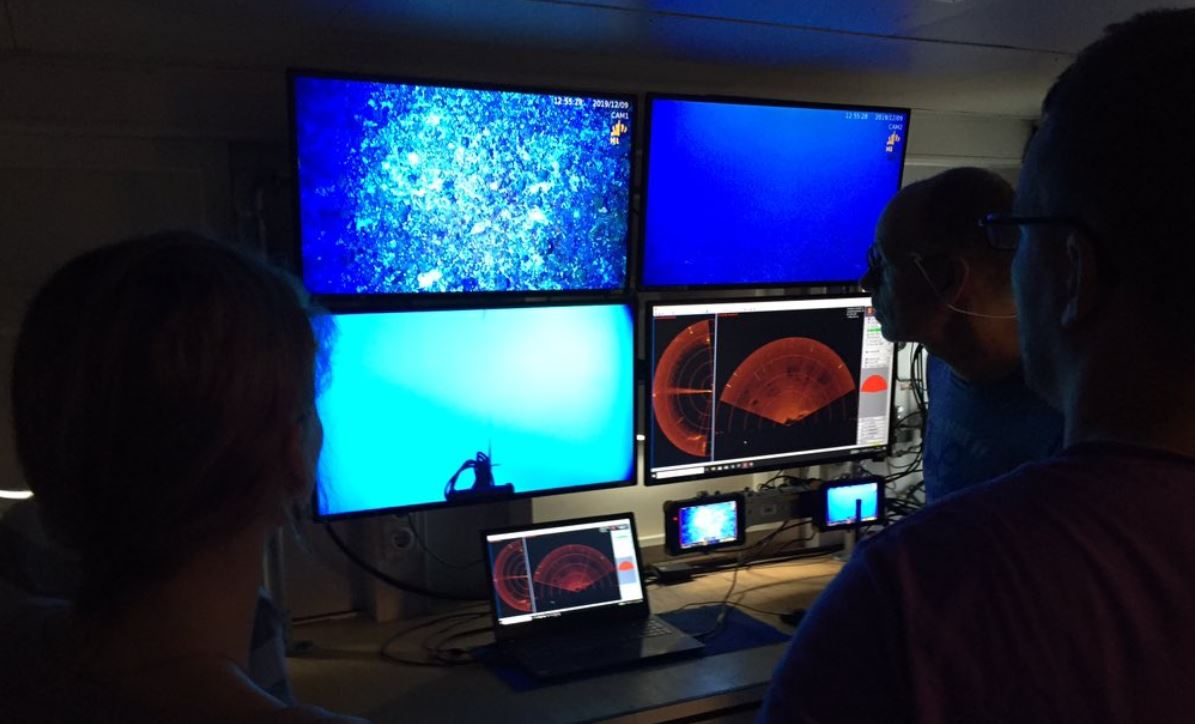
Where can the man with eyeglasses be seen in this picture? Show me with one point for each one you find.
(936, 280)
(1063, 591)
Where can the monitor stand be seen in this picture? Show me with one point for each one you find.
(850, 536)
(439, 550)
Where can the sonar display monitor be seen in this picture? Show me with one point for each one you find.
(430, 408)
(576, 567)
(738, 386)
(418, 188)
(760, 193)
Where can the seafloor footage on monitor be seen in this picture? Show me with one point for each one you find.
(773, 382)
(708, 524)
(566, 570)
(407, 189)
(765, 194)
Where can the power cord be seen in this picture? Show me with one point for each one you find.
(740, 563)
(435, 556)
(435, 659)
(392, 581)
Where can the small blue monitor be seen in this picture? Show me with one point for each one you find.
(428, 408)
(417, 188)
(711, 524)
(760, 193)
(844, 501)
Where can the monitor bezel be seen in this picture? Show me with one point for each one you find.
(640, 610)
(876, 453)
(633, 473)
(478, 298)
(641, 242)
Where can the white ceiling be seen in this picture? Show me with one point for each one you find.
(991, 56)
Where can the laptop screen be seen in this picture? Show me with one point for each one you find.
(547, 572)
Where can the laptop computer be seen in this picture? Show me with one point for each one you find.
(568, 597)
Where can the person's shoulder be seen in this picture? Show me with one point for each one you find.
(995, 513)
(23, 621)
(310, 715)
(970, 513)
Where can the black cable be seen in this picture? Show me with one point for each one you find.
(454, 656)
(742, 562)
(733, 604)
(435, 556)
(387, 656)
(786, 481)
(720, 561)
(385, 578)
(720, 619)
(769, 559)
(788, 543)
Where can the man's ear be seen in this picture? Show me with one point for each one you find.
(951, 278)
(1082, 279)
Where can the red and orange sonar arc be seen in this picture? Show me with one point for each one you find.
(874, 383)
(510, 577)
(573, 568)
(788, 379)
(682, 389)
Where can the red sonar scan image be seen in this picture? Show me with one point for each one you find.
(683, 389)
(573, 568)
(510, 577)
(874, 383)
(787, 380)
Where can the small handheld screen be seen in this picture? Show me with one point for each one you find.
(858, 501)
(703, 523)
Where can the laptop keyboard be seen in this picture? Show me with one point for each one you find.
(607, 637)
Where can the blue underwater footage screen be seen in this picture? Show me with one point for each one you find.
(757, 194)
(709, 524)
(841, 502)
(546, 392)
(407, 188)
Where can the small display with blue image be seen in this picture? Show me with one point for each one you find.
(709, 525)
(410, 188)
(843, 501)
(544, 394)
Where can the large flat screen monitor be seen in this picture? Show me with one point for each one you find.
(758, 193)
(418, 188)
(416, 404)
(739, 386)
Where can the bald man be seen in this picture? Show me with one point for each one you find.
(935, 280)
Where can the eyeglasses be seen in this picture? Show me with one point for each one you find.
(877, 264)
(874, 260)
(873, 275)
(1004, 230)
